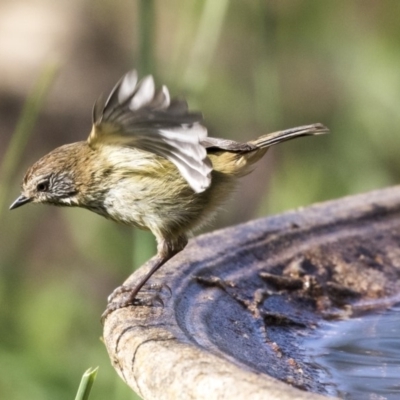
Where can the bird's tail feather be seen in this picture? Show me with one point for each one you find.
(281, 136)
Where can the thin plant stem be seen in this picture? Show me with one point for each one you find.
(205, 44)
(146, 23)
(24, 128)
(86, 384)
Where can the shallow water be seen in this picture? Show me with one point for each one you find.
(360, 357)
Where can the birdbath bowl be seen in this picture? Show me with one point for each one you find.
(229, 315)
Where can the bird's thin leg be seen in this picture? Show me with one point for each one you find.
(166, 250)
(158, 262)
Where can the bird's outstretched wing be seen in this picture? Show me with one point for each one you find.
(136, 114)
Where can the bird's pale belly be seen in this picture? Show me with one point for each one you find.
(136, 203)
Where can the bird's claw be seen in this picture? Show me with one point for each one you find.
(115, 302)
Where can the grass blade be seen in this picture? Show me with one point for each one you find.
(86, 384)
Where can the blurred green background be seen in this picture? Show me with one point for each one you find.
(251, 66)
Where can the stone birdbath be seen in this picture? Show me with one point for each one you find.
(229, 313)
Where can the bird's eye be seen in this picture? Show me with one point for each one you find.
(42, 186)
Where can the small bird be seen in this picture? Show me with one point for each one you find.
(149, 163)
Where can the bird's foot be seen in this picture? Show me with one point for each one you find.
(121, 297)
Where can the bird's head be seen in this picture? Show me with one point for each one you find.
(51, 180)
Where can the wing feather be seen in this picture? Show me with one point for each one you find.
(137, 114)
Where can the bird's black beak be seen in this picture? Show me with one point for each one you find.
(20, 202)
